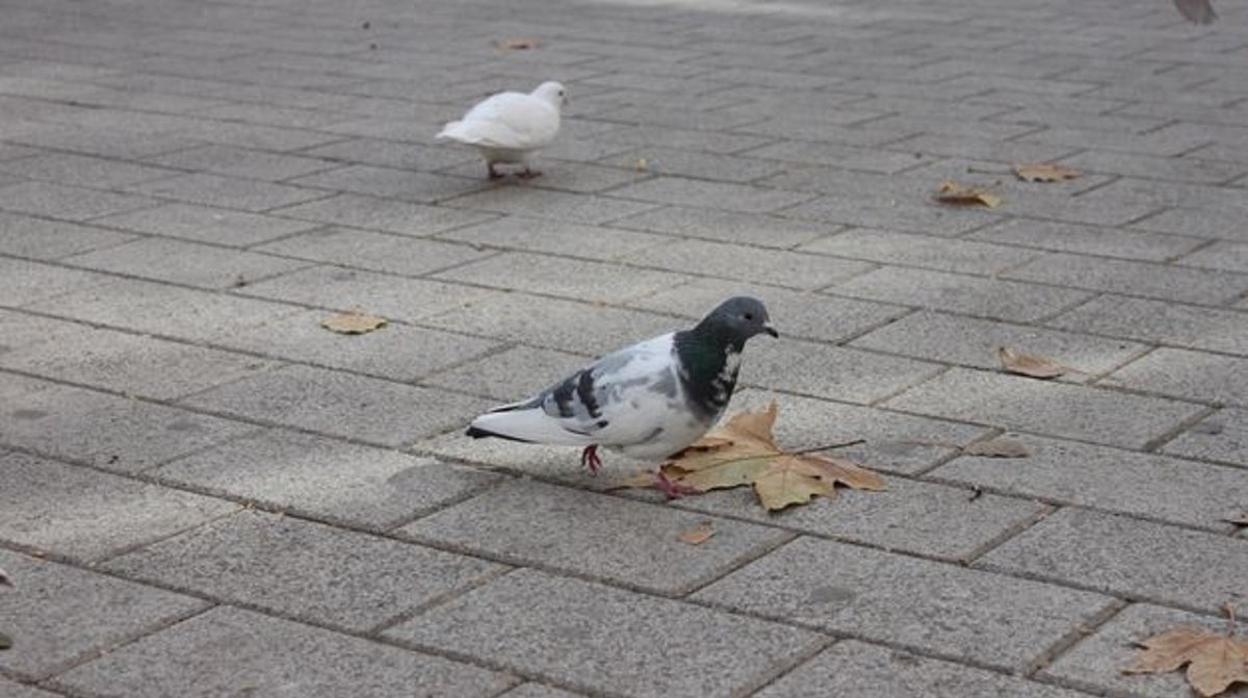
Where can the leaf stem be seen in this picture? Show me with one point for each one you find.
(829, 447)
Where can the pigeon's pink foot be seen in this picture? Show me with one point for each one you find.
(673, 490)
(494, 174)
(529, 173)
(590, 459)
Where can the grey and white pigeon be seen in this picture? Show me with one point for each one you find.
(649, 400)
(510, 126)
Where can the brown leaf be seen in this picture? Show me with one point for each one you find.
(960, 195)
(518, 44)
(743, 452)
(1045, 172)
(353, 323)
(698, 534)
(999, 447)
(1030, 364)
(1214, 661)
(1239, 520)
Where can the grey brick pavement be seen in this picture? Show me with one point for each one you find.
(202, 492)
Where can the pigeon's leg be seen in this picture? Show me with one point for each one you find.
(494, 174)
(673, 490)
(529, 172)
(590, 459)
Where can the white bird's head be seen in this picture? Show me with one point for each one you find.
(552, 92)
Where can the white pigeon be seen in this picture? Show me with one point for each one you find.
(509, 126)
(650, 400)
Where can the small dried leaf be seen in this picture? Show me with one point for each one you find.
(1030, 364)
(518, 44)
(1240, 520)
(960, 195)
(353, 323)
(1045, 172)
(999, 447)
(1214, 661)
(698, 534)
(641, 165)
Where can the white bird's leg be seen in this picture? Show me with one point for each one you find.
(494, 174)
(590, 459)
(529, 172)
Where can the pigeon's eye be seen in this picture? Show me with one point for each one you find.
(749, 316)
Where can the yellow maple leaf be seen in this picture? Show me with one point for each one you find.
(1214, 661)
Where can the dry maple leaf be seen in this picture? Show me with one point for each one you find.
(1214, 661)
(1030, 364)
(698, 534)
(353, 323)
(1045, 172)
(743, 451)
(999, 447)
(961, 195)
(519, 44)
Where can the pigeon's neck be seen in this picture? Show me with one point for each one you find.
(708, 368)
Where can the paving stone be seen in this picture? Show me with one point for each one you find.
(918, 218)
(870, 671)
(1057, 409)
(65, 202)
(1096, 663)
(776, 267)
(537, 690)
(227, 648)
(910, 516)
(837, 155)
(1184, 169)
(325, 478)
(532, 523)
(1135, 278)
(1189, 374)
(562, 176)
(85, 514)
(795, 314)
(1222, 436)
(1138, 559)
(380, 294)
(663, 160)
(37, 238)
(594, 281)
(533, 235)
(1228, 256)
(508, 375)
(358, 248)
(383, 214)
(372, 151)
(1109, 479)
(21, 690)
(1086, 239)
(186, 263)
(1165, 323)
(79, 170)
(24, 283)
(215, 225)
(240, 162)
(304, 570)
(399, 352)
(938, 608)
(118, 361)
(1203, 222)
(968, 341)
(727, 226)
(830, 372)
(534, 203)
(598, 638)
(341, 404)
(384, 182)
(694, 192)
(228, 192)
(156, 308)
(920, 251)
(58, 615)
(683, 138)
(989, 297)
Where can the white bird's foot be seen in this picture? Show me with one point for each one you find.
(590, 459)
(529, 173)
(494, 174)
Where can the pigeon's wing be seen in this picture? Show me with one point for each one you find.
(509, 120)
(1197, 11)
(623, 398)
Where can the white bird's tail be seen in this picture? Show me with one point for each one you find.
(453, 130)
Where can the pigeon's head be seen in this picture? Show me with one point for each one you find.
(552, 92)
(738, 319)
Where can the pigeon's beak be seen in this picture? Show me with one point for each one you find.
(771, 330)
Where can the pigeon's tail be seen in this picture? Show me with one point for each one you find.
(529, 424)
(453, 130)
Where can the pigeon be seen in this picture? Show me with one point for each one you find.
(510, 126)
(649, 400)
(1196, 11)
